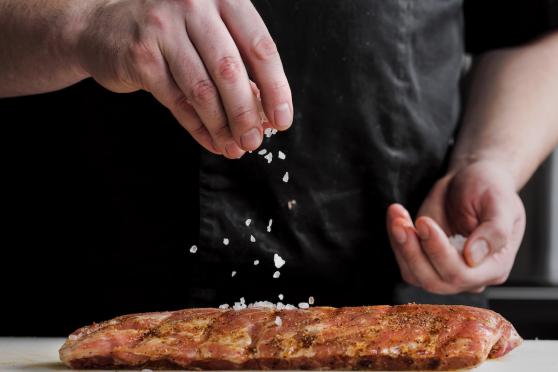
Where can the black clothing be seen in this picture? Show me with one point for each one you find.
(375, 89)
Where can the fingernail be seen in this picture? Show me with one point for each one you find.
(282, 116)
(479, 250)
(231, 150)
(399, 234)
(251, 140)
(423, 231)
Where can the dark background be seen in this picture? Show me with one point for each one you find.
(100, 191)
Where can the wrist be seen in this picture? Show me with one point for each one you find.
(73, 23)
(502, 166)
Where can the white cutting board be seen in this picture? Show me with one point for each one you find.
(41, 354)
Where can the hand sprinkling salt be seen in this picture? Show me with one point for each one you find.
(233, 273)
(279, 262)
(248, 222)
(276, 275)
(269, 225)
(252, 239)
(193, 249)
(256, 262)
(286, 177)
(269, 157)
(281, 155)
(226, 241)
(262, 152)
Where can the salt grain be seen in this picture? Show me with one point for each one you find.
(458, 242)
(262, 152)
(281, 155)
(269, 225)
(193, 249)
(233, 273)
(252, 239)
(226, 241)
(276, 274)
(248, 222)
(278, 260)
(224, 306)
(291, 204)
(268, 132)
(269, 157)
(280, 297)
(286, 177)
(303, 305)
(311, 300)
(290, 307)
(256, 262)
(278, 321)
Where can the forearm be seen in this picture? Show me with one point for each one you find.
(511, 115)
(37, 39)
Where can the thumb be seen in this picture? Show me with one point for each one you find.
(496, 217)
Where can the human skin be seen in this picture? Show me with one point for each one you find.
(196, 57)
(510, 126)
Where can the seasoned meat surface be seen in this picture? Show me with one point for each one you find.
(405, 337)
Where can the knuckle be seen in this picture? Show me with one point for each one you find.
(182, 103)
(455, 279)
(264, 48)
(203, 92)
(222, 133)
(244, 117)
(155, 18)
(229, 69)
(142, 54)
(198, 131)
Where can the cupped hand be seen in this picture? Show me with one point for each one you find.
(197, 58)
(478, 201)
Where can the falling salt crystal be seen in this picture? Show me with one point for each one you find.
(224, 306)
(311, 300)
(252, 239)
(280, 297)
(242, 300)
(256, 262)
(262, 152)
(278, 321)
(281, 155)
(303, 305)
(279, 262)
(269, 157)
(291, 204)
(248, 222)
(276, 274)
(193, 249)
(286, 177)
(233, 273)
(458, 242)
(269, 225)
(226, 241)
(273, 131)
(268, 132)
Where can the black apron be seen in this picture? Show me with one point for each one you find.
(376, 97)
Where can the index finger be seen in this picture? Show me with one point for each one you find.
(260, 52)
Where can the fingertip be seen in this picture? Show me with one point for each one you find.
(282, 116)
(233, 151)
(476, 251)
